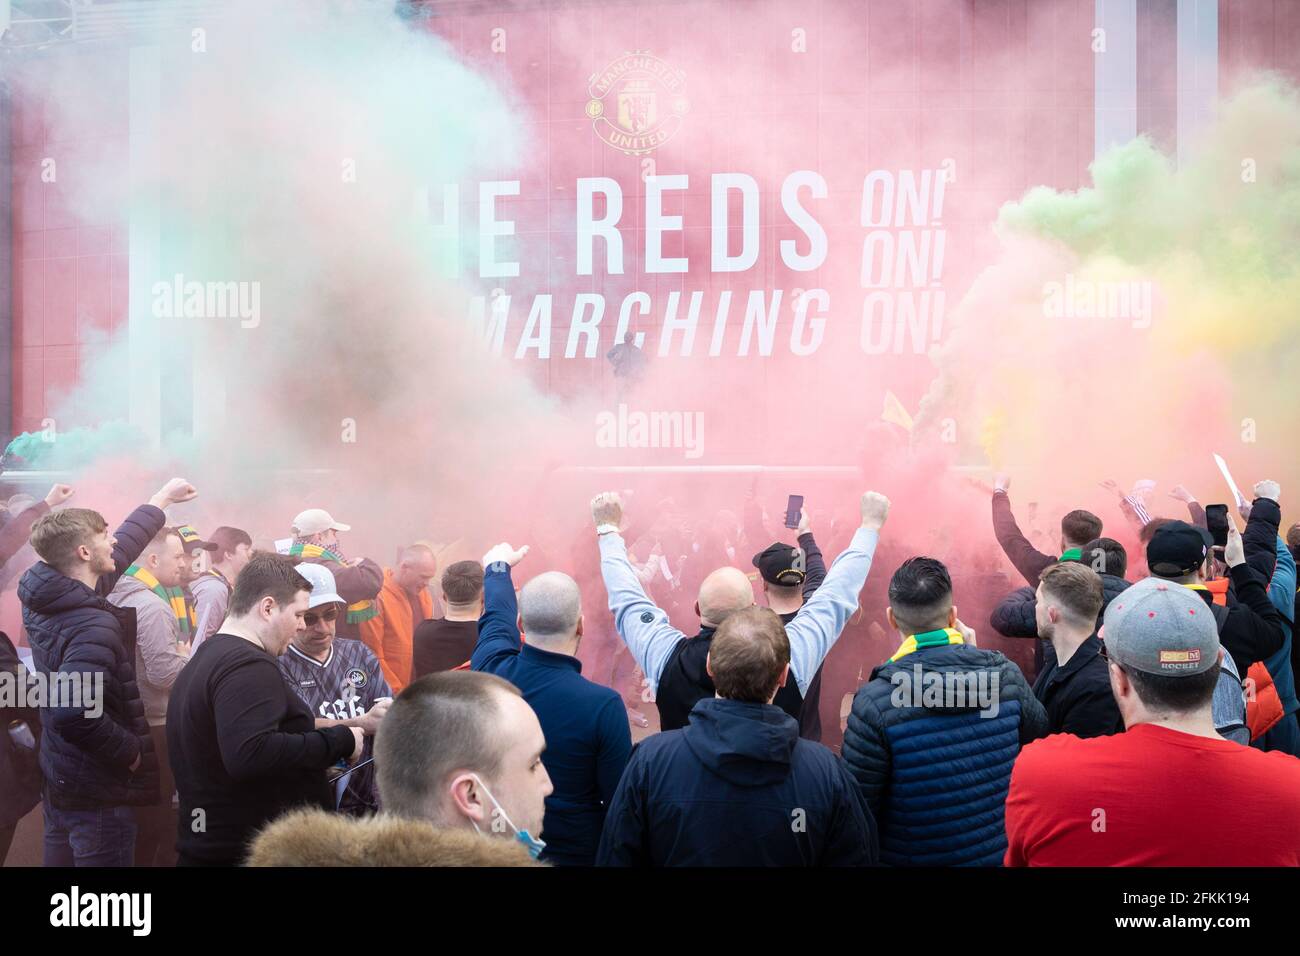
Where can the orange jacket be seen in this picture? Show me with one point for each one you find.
(391, 633)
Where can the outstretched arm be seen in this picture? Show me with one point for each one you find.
(498, 627)
(818, 625)
(643, 627)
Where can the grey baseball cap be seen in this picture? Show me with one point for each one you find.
(1160, 627)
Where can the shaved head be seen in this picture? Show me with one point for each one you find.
(722, 593)
(416, 567)
(550, 606)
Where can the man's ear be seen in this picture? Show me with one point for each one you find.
(697, 611)
(785, 675)
(469, 801)
(266, 606)
(1120, 685)
(519, 624)
(578, 632)
(708, 665)
(952, 616)
(893, 621)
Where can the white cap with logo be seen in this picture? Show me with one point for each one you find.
(323, 588)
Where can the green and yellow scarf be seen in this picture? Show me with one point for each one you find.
(914, 642)
(175, 598)
(358, 612)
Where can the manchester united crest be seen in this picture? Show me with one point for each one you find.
(637, 102)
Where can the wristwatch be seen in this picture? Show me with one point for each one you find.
(606, 528)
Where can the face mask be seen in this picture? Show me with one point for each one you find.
(531, 843)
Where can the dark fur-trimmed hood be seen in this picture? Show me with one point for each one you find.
(317, 838)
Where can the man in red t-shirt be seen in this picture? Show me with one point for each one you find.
(1169, 791)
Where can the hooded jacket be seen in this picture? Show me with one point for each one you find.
(315, 838)
(86, 759)
(158, 660)
(736, 787)
(935, 772)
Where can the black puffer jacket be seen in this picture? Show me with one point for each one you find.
(1014, 617)
(74, 630)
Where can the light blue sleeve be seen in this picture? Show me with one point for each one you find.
(1281, 590)
(817, 626)
(644, 628)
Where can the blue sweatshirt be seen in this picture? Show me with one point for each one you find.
(587, 738)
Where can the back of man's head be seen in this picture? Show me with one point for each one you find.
(1076, 590)
(748, 654)
(462, 582)
(550, 606)
(1164, 639)
(57, 535)
(1079, 527)
(1105, 556)
(266, 575)
(722, 593)
(920, 595)
(440, 725)
(1293, 536)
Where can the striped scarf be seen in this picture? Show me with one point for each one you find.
(175, 598)
(358, 612)
(914, 642)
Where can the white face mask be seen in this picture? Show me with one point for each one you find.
(533, 844)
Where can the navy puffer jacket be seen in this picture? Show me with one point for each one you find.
(74, 630)
(934, 768)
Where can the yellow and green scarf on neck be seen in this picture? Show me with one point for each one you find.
(175, 598)
(914, 642)
(358, 612)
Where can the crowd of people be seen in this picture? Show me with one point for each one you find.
(288, 705)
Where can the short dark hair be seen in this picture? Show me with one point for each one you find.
(1164, 694)
(920, 592)
(1293, 536)
(1105, 556)
(1080, 526)
(463, 582)
(1076, 588)
(748, 652)
(439, 724)
(266, 575)
(227, 539)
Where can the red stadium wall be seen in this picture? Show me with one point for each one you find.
(1004, 88)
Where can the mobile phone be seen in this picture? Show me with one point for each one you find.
(1216, 519)
(792, 508)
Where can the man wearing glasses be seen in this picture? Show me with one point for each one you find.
(340, 680)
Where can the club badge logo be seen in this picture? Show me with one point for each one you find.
(637, 102)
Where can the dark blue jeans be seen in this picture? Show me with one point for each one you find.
(104, 837)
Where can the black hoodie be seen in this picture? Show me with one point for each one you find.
(736, 787)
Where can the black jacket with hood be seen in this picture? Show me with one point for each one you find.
(736, 787)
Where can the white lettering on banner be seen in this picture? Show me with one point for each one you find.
(900, 265)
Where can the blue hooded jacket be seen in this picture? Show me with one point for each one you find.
(736, 787)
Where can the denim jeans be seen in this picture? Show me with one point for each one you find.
(104, 837)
